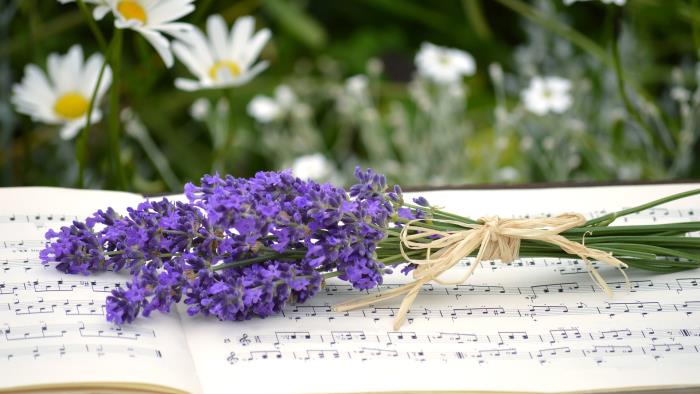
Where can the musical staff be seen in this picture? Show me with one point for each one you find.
(49, 286)
(74, 349)
(597, 354)
(85, 330)
(23, 244)
(279, 339)
(23, 265)
(609, 309)
(39, 218)
(460, 291)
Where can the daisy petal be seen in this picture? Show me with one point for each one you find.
(71, 129)
(188, 58)
(176, 29)
(160, 43)
(250, 74)
(100, 11)
(240, 35)
(216, 29)
(168, 11)
(188, 85)
(256, 44)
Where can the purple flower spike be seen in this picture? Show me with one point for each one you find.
(77, 249)
(240, 248)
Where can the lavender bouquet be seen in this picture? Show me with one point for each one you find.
(243, 248)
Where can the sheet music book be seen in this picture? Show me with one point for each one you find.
(536, 325)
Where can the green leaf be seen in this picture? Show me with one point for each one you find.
(297, 22)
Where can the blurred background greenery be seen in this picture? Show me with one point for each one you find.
(633, 69)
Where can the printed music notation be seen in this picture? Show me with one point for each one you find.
(48, 286)
(657, 213)
(77, 349)
(22, 265)
(609, 309)
(40, 218)
(556, 344)
(679, 284)
(85, 330)
(23, 244)
(501, 338)
(597, 353)
(68, 307)
(653, 214)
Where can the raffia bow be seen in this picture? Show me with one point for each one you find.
(496, 238)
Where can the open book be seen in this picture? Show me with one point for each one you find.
(536, 325)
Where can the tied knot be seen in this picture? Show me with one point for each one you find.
(499, 246)
(495, 239)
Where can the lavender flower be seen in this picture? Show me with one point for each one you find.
(240, 248)
(256, 290)
(78, 249)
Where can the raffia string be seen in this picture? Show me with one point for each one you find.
(496, 238)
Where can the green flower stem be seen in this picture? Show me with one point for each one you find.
(332, 274)
(620, 76)
(82, 142)
(609, 218)
(647, 229)
(433, 225)
(227, 139)
(114, 122)
(563, 30)
(695, 5)
(138, 131)
(101, 41)
(259, 259)
(651, 251)
(667, 241)
(475, 14)
(440, 214)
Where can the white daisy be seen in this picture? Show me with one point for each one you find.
(265, 109)
(200, 109)
(151, 18)
(64, 96)
(547, 94)
(357, 86)
(444, 65)
(221, 58)
(314, 166)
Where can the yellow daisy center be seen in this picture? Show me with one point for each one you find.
(71, 105)
(131, 9)
(231, 66)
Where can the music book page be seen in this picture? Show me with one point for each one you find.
(537, 325)
(53, 327)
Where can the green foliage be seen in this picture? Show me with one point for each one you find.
(626, 122)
